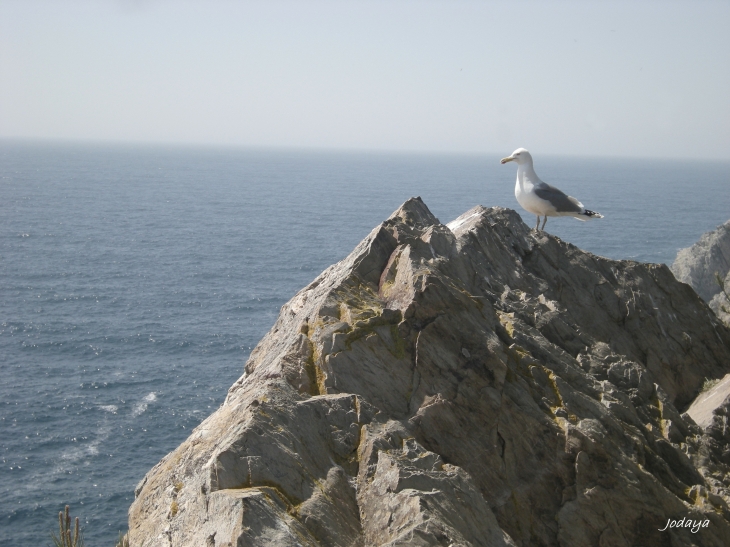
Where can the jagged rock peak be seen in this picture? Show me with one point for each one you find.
(475, 383)
(414, 213)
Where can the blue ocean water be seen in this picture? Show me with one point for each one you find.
(134, 281)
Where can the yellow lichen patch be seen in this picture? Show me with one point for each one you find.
(661, 422)
(525, 360)
(321, 378)
(356, 401)
(365, 327)
(360, 446)
(316, 327)
(387, 285)
(315, 374)
(554, 387)
(507, 320)
(311, 369)
(267, 488)
(358, 298)
(704, 499)
(556, 391)
(321, 488)
(522, 352)
(563, 422)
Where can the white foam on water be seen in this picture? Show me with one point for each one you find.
(80, 452)
(102, 435)
(109, 408)
(141, 407)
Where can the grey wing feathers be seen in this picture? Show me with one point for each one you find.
(562, 202)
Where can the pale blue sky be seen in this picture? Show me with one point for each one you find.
(583, 78)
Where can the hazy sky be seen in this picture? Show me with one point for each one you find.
(587, 78)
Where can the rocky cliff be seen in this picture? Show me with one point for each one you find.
(474, 383)
(696, 265)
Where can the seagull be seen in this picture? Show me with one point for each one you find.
(541, 199)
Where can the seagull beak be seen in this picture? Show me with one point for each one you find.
(505, 160)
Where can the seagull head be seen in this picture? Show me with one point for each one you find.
(519, 156)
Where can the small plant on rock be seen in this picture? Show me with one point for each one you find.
(65, 538)
(123, 540)
(709, 384)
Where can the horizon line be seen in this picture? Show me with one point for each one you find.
(325, 149)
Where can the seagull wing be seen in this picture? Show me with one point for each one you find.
(562, 202)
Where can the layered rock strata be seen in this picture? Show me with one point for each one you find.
(475, 383)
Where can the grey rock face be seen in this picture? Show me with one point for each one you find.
(720, 303)
(696, 265)
(471, 384)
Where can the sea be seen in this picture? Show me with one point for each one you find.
(135, 280)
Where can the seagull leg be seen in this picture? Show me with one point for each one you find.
(544, 222)
(537, 226)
